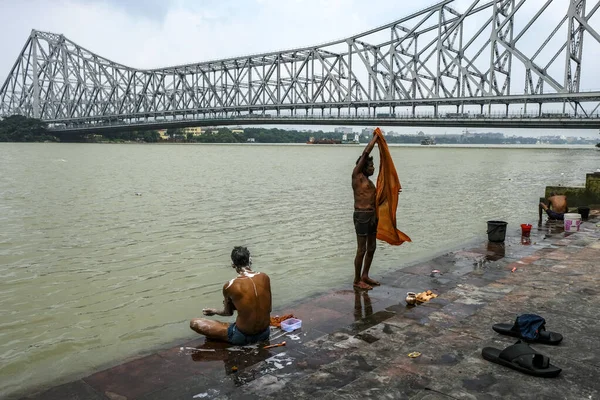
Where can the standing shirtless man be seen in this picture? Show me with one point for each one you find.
(250, 294)
(365, 218)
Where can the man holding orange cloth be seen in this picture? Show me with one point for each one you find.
(374, 208)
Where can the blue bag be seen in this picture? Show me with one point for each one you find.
(529, 325)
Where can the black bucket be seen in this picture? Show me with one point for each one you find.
(496, 231)
(584, 211)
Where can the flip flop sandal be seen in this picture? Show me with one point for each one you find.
(521, 357)
(531, 328)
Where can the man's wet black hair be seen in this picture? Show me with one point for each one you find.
(240, 256)
(369, 160)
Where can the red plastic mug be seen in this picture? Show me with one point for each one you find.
(525, 230)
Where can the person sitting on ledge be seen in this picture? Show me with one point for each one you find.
(558, 203)
(250, 294)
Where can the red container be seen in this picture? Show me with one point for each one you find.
(525, 230)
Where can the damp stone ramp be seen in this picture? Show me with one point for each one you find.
(355, 345)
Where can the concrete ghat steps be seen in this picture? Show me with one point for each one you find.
(356, 345)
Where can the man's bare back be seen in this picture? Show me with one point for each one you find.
(558, 203)
(250, 294)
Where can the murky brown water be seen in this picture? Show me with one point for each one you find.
(92, 273)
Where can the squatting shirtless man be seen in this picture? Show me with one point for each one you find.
(250, 294)
(365, 218)
(558, 206)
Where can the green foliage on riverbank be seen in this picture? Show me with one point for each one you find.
(125, 137)
(262, 135)
(256, 135)
(275, 135)
(18, 128)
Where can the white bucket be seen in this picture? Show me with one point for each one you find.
(572, 222)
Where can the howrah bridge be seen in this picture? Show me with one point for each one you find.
(494, 63)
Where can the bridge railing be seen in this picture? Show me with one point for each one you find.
(129, 121)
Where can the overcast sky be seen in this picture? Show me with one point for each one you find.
(158, 33)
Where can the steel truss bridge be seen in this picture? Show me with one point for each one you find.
(497, 63)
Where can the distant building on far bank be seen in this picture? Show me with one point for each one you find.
(195, 131)
(368, 132)
(163, 134)
(211, 129)
(343, 130)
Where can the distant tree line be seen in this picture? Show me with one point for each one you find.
(258, 135)
(276, 135)
(18, 128)
(149, 136)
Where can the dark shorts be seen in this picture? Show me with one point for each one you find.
(365, 222)
(555, 215)
(237, 337)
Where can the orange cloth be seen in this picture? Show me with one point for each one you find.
(276, 321)
(388, 186)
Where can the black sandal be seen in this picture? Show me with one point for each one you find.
(521, 357)
(531, 328)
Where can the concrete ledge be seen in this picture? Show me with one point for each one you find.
(577, 196)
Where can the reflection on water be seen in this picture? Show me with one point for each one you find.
(495, 251)
(92, 273)
(234, 358)
(362, 304)
(553, 227)
(525, 240)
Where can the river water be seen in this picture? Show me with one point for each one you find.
(107, 251)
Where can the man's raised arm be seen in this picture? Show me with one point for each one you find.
(365, 154)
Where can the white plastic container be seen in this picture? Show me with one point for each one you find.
(572, 222)
(291, 324)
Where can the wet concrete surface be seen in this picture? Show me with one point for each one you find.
(355, 344)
